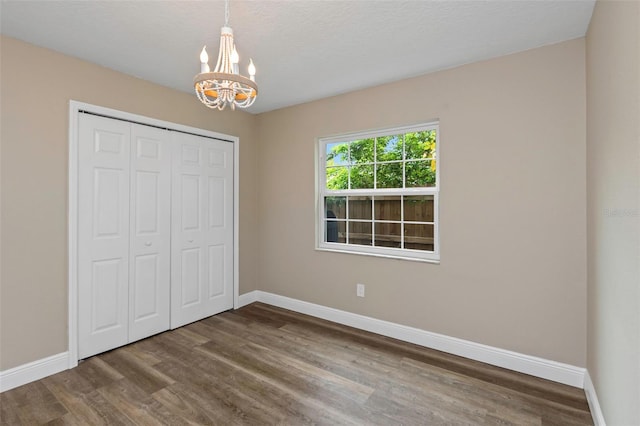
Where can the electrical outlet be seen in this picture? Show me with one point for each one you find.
(360, 290)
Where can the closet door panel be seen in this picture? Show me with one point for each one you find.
(145, 294)
(219, 173)
(103, 234)
(190, 200)
(188, 242)
(107, 279)
(191, 294)
(150, 222)
(217, 256)
(202, 228)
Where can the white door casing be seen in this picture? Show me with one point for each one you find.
(103, 234)
(201, 227)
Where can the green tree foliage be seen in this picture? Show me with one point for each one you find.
(356, 160)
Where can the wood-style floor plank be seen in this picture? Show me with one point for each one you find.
(262, 365)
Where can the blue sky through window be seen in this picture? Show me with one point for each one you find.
(338, 159)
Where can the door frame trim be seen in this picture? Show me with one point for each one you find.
(75, 109)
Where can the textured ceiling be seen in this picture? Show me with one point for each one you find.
(303, 50)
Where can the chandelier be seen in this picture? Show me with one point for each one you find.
(225, 86)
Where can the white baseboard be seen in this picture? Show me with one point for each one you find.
(539, 367)
(592, 399)
(247, 299)
(33, 371)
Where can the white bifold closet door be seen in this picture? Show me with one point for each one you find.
(155, 231)
(124, 233)
(103, 234)
(150, 225)
(202, 228)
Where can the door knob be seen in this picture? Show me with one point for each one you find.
(148, 244)
(190, 241)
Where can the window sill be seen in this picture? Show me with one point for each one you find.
(383, 255)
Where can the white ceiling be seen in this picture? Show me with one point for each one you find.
(303, 50)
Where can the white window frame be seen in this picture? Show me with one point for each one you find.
(322, 192)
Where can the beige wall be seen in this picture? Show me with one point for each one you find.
(37, 85)
(613, 209)
(513, 246)
(513, 268)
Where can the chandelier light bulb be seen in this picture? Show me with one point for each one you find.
(252, 70)
(235, 58)
(204, 59)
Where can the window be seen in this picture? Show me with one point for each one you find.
(378, 193)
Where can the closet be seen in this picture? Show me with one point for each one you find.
(155, 230)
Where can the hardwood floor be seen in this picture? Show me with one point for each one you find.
(263, 365)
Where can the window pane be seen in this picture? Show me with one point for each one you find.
(338, 177)
(335, 207)
(387, 208)
(360, 208)
(418, 208)
(362, 151)
(419, 145)
(337, 154)
(335, 231)
(387, 234)
(362, 177)
(389, 175)
(418, 237)
(419, 174)
(389, 148)
(360, 233)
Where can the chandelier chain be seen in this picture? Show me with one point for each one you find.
(226, 13)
